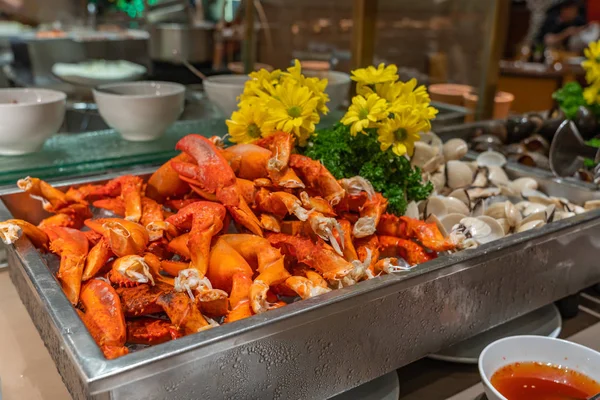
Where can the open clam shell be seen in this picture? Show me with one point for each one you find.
(491, 158)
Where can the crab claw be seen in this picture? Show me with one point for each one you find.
(324, 227)
(183, 313)
(189, 280)
(357, 184)
(52, 198)
(210, 170)
(12, 229)
(125, 237)
(412, 252)
(391, 265)
(72, 247)
(305, 288)
(104, 317)
(316, 255)
(205, 220)
(130, 270)
(317, 178)
(165, 182)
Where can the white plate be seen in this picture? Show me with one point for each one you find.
(545, 321)
(386, 387)
(98, 72)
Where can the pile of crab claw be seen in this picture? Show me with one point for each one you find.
(475, 202)
(215, 235)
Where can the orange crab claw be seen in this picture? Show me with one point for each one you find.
(317, 178)
(318, 204)
(370, 215)
(52, 198)
(220, 179)
(130, 271)
(368, 252)
(183, 313)
(280, 144)
(173, 267)
(316, 255)
(12, 229)
(103, 316)
(96, 259)
(165, 182)
(280, 204)
(71, 216)
(225, 263)
(150, 331)
(179, 246)
(248, 161)
(205, 220)
(305, 288)
(270, 223)
(213, 303)
(407, 249)
(72, 247)
(125, 237)
(152, 214)
(115, 205)
(349, 250)
(428, 234)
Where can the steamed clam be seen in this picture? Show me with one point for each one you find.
(475, 202)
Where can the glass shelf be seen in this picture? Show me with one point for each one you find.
(90, 153)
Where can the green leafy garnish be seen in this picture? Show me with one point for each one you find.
(594, 142)
(589, 163)
(570, 98)
(346, 156)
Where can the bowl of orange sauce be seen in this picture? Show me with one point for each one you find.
(539, 368)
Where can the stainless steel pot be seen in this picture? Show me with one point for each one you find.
(174, 42)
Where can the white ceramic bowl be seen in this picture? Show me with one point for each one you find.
(535, 349)
(29, 117)
(223, 90)
(140, 111)
(338, 86)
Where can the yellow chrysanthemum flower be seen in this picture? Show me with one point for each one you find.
(372, 75)
(591, 94)
(390, 91)
(401, 132)
(249, 122)
(365, 112)
(592, 64)
(293, 109)
(315, 85)
(261, 82)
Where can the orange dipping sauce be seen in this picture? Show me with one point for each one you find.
(537, 381)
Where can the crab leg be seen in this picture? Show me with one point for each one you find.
(427, 233)
(239, 299)
(142, 299)
(104, 317)
(329, 264)
(370, 215)
(407, 249)
(72, 247)
(183, 313)
(317, 178)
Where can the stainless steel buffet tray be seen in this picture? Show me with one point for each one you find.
(316, 348)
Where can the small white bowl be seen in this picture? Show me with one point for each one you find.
(535, 349)
(338, 86)
(223, 90)
(29, 117)
(140, 111)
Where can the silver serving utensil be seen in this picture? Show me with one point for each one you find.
(568, 150)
